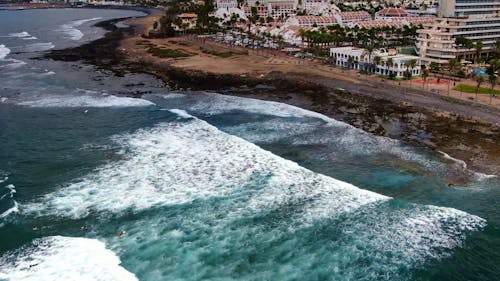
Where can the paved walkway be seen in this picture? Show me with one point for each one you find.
(444, 87)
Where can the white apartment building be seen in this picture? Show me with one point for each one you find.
(282, 9)
(312, 21)
(391, 13)
(361, 59)
(319, 7)
(226, 4)
(261, 11)
(478, 20)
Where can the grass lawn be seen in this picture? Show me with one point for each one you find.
(472, 89)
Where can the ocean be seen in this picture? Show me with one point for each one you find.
(183, 185)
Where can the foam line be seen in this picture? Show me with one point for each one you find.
(72, 32)
(38, 47)
(4, 51)
(22, 34)
(86, 100)
(13, 209)
(63, 258)
(176, 163)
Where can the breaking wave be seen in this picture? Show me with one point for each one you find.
(63, 258)
(70, 30)
(38, 47)
(86, 100)
(23, 35)
(218, 189)
(4, 51)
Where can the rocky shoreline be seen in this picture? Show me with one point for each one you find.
(464, 131)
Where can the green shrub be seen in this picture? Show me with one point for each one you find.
(223, 54)
(167, 53)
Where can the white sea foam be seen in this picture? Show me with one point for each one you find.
(14, 63)
(38, 47)
(20, 34)
(407, 236)
(217, 104)
(461, 163)
(70, 30)
(4, 51)
(173, 96)
(182, 162)
(393, 239)
(477, 176)
(483, 177)
(177, 163)
(63, 258)
(13, 209)
(9, 195)
(181, 113)
(340, 134)
(85, 101)
(23, 35)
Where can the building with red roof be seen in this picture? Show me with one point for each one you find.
(390, 13)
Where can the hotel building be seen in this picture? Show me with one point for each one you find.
(478, 20)
(361, 59)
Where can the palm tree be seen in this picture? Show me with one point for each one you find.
(377, 60)
(390, 63)
(479, 80)
(369, 49)
(453, 65)
(435, 67)
(497, 49)
(479, 49)
(425, 75)
(350, 62)
(303, 35)
(410, 65)
(492, 79)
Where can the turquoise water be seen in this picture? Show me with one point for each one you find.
(211, 187)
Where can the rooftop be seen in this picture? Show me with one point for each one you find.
(393, 12)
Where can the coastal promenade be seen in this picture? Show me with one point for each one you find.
(443, 87)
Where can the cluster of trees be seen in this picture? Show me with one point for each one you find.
(467, 43)
(205, 23)
(367, 6)
(336, 35)
(372, 7)
(494, 66)
(455, 68)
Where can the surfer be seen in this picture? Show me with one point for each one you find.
(123, 232)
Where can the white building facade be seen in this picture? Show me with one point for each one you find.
(390, 63)
(226, 4)
(282, 9)
(478, 20)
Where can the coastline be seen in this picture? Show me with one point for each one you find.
(461, 129)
